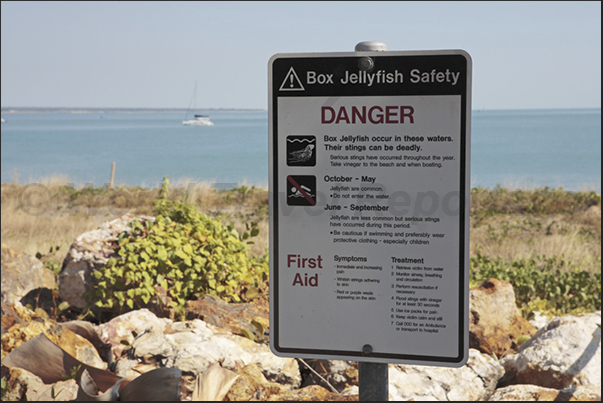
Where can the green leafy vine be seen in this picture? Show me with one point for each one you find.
(183, 252)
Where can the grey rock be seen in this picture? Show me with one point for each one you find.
(89, 252)
(22, 273)
(538, 393)
(25, 386)
(125, 368)
(539, 320)
(191, 346)
(121, 331)
(495, 323)
(282, 370)
(564, 353)
(476, 380)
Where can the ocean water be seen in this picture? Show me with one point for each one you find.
(521, 148)
(537, 148)
(144, 146)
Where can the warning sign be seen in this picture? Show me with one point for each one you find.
(291, 82)
(369, 181)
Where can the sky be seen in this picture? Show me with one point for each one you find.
(526, 55)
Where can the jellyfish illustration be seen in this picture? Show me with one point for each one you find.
(302, 155)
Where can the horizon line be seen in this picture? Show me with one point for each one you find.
(13, 109)
(22, 109)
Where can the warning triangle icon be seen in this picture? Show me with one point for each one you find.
(291, 82)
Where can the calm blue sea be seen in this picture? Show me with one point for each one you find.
(521, 148)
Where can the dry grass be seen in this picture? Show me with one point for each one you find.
(51, 213)
(513, 237)
(34, 218)
(522, 223)
(508, 223)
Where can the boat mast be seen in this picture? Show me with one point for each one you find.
(193, 101)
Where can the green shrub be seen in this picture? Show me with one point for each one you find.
(543, 284)
(186, 253)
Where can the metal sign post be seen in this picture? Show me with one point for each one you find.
(373, 382)
(369, 208)
(373, 378)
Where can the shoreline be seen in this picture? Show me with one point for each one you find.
(18, 110)
(66, 109)
(179, 183)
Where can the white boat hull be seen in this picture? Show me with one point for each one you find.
(198, 122)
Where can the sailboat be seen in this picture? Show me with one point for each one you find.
(197, 120)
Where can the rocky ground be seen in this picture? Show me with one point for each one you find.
(146, 355)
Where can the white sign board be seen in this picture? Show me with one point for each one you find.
(369, 206)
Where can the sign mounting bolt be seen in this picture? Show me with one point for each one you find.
(366, 64)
